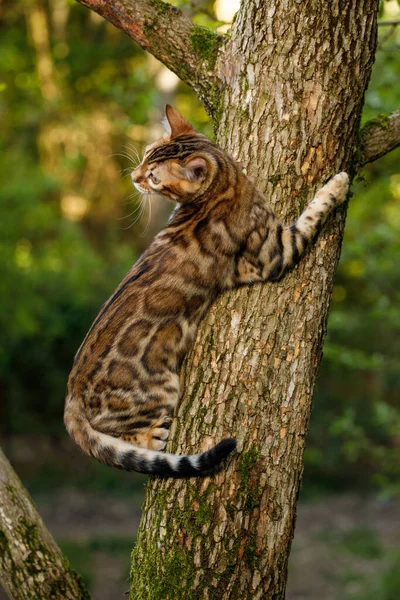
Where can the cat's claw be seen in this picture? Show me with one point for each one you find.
(160, 433)
(156, 444)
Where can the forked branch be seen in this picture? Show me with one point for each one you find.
(379, 137)
(186, 48)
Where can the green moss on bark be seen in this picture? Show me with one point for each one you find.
(205, 43)
(39, 559)
(248, 487)
(162, 7)
(167, 584)
(381, 121)
(6, 560)
(274, 179)
(199, 381)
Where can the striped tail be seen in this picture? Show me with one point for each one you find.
(122, 455)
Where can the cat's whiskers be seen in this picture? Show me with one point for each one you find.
(134, 194)
(133, 160)
(135, 210)
(127, 171)
(148, 201)
(134, 197)
(131, 153)
(131, 147)
(139, 211)
(128, 200)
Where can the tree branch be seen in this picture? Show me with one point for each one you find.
(31, 564)
(389, 23)
(379, 137)
(186, 48)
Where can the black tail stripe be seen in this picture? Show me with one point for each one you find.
(132, 461)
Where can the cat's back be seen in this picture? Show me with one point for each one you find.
(165, 285)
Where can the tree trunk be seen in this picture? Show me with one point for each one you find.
(32, 566)
(292, 79)
(285, 90)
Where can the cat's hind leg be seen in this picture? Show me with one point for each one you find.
(159, 433)
(154, 438)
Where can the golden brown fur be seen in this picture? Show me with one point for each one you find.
(124, 383)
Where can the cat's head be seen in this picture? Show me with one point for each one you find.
(181, 165)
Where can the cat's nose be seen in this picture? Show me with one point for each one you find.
(136, 176)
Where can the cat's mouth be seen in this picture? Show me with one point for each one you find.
(140, 188)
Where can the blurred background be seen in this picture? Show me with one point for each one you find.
(77, 100)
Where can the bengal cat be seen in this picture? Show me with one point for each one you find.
(222, 234)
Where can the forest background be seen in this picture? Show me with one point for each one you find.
(76, 96)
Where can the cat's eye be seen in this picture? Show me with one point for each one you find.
(153, 178)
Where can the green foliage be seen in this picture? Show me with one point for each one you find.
(354, 436)
(82, 554)
(355, 424)
(385, 586)
(45, 475)
(360, 542)
(64, 245)
(65, 230)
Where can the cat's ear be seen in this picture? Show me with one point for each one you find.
(175, 124)
(196, 169)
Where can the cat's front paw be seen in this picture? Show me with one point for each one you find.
(338, 187)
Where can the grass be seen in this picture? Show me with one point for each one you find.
(383, 586)
(361, 542)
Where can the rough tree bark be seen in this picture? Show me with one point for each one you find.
(379, 136)
(292, 81)
(32, 566)
(285, 91)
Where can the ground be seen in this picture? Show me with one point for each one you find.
(346, 546)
